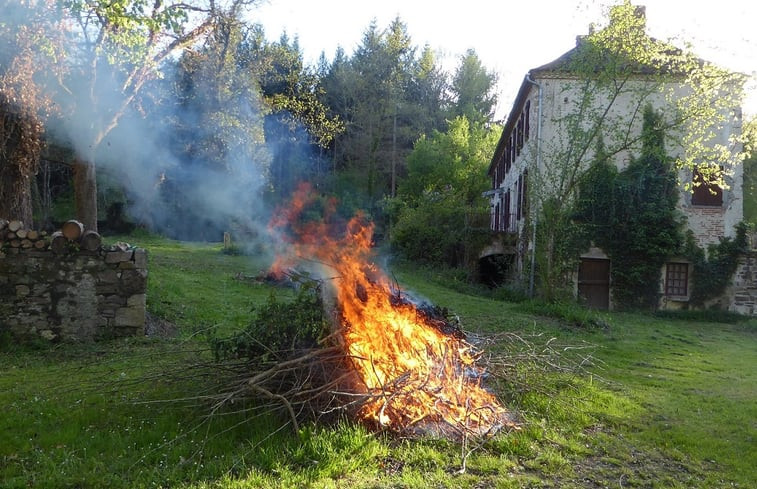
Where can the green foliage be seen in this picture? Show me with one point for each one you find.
(439, 215)
(714, 270)
(603, 79)
(701, 316)
(652, 389)
(568, 313)
(278, 329)
(750, 171)
(473, 89)
(632, 216)
(435, 232)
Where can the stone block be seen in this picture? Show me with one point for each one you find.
(140, 258)
(133, 282)
(118, 256)
(133, 317)
(137, 300)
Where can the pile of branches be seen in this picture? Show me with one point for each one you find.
(287, 358)
(290, 360)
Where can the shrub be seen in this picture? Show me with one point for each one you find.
(278, 329)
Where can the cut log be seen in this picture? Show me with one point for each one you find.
(72, 230)
(40, 244)
(32, 235)
(15, 243)
(10, 235)
(91, 240)
(21, 233)
(27, 243)
(58, 242)
(15, 225)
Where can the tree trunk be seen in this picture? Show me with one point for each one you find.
(19, 154)
(85, 192)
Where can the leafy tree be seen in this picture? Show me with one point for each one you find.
(297, 119)
(429, 90)
(119, 46)
(473, 89)
(387, 97)
(214, 135)
(750, 171)
(439, 202)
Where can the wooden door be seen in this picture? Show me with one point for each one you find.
(594, 282)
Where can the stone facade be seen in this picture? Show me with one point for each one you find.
(530, 163)
(73, 296)
(742, 295)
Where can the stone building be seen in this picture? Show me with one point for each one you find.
(537, 155)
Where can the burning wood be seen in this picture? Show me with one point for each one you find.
(407, 371)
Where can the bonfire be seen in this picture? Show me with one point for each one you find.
(402, 369)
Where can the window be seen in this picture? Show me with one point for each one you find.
(519, 211)
(527, 114)
(508, 160)
(677, 279)
(506, 212)
(706, 195)
(524, 197)
(519, 133)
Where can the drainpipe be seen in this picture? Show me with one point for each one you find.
(534, 215)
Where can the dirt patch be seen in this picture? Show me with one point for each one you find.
(159, 327)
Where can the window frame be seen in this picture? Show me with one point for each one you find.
(701, 195)
(677, 279)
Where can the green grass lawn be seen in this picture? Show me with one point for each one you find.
(660, 403)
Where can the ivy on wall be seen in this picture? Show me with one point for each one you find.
(713, 271)
(632, 216)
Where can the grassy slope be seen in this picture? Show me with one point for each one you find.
(667, 404)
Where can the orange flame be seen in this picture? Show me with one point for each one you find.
(417, 378)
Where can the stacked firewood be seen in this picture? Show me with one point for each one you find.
(14, 234)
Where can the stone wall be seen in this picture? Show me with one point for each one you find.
(742, 295)
(708, 224)
(75, 295)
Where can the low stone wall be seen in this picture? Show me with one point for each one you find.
(72, 295)
(742, 294)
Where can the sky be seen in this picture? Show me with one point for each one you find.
(512, 37)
